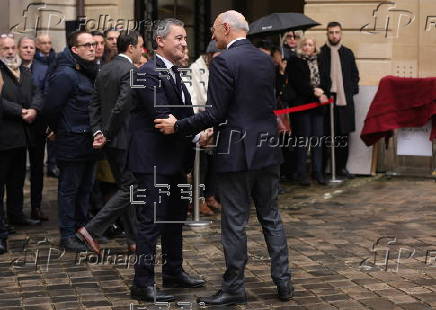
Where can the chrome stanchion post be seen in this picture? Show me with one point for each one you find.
(332, 147)
(196, 176)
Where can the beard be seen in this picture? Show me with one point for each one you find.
(12, 62)
(334, 43)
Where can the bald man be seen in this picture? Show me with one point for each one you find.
(44, 57)
(247, 166)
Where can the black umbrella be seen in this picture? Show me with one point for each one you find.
(281, 22)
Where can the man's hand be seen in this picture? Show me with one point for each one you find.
(29, 115)
(318, 92)
(206, 137)
(51, 136)
(166, 125)
(99, 141)
(323, 99)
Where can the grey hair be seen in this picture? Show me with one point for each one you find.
(24, 38)
(235, 19)
(162, 28)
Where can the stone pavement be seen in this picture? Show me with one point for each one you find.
(367, 244)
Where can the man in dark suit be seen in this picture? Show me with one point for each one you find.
(3, 229)
(341, 77)
(241, 95)
(21, 101)
(160, 164)
(109, 114)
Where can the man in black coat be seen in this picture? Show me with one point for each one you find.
(26, 51)
(341, 77)
(21, 103)
(160, 164)
(45, 57)
(3, 230)
(109, 114)
(69, 89)
(241, 95)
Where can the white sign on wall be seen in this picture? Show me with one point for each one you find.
(414, 141)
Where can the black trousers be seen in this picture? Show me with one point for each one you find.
(207, 173)
(76, 180)
(309, 129)
(235, 191)
(119, 204)
(12, 174)
(36, 156)
(169, 208)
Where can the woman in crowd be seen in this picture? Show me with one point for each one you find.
(304, 79)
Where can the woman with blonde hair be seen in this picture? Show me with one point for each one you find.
(304, 72)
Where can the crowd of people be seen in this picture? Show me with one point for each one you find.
(120, 126)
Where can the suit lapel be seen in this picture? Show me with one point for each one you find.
(161, 64)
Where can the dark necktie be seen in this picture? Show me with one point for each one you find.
(178, 78)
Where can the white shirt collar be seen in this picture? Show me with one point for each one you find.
(168, 64)
(233, 41)
(125, 56)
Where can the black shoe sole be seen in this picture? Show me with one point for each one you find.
(179, 285)
(225, 304)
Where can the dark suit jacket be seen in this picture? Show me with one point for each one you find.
(241, 95)
(299, 80)
(350, 73)
(148, 147)
(110, 108)
(16, 95)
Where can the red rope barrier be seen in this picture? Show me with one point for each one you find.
(304, 107)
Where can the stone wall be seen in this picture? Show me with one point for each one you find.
(388, 37)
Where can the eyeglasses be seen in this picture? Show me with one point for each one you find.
(88, 45)
(212, 29)
(6, 35)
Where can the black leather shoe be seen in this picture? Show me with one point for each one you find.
(345, 173)
(3, 246)
(320, 179)
(285, 291)
(182, 280)
(222, 298)
(24, 221)
(73, 244)
(148, 294)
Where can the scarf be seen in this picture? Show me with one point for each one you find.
(88, 68)
(13, 65)
(336, 75)
(312, 63)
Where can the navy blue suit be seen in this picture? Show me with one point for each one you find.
(241, 95)
(170, 156)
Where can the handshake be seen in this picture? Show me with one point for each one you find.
(28, 115)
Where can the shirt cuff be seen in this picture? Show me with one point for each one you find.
(196, 138)
(97, 132)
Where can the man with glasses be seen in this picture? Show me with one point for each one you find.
(109, 114)
(70, 89)
(21, 102)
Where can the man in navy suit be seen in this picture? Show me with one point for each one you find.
(241, 95)
(160, 164)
